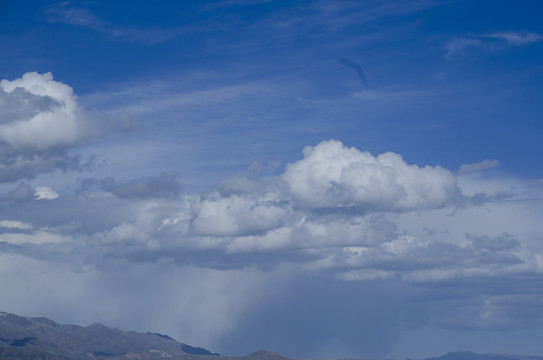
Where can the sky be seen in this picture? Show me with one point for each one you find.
(327, 179)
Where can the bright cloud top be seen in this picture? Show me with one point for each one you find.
(45, 193)
(332, 176)
(55, 125)
(40, 121)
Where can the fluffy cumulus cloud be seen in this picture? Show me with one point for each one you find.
(237, 215)
(40, 122)
(337, 209)
(333, 176)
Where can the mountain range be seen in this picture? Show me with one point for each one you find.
(39, 338)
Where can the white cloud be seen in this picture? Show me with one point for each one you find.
(459, 46)
(41, 121)
(81, 17)
(58, 126)
(516, 38)
(334, 176)
(38, 237)
(490, 41)
(237, 215)
(45, 193)
(14, 224)
(479, 166)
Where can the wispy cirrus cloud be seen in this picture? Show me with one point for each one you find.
(482, 165)
(515, 38)
(487, 41)
(459, 46)
(76, 16)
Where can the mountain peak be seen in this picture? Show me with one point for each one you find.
(264, 355)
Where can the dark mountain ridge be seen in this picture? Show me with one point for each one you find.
(96, 340)
(39, 338)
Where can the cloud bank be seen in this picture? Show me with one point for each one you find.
(336, 216)
(401, 245)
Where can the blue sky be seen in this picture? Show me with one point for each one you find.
(317, 178)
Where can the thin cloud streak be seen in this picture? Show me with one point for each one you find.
(80, 17)
(463, 45)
